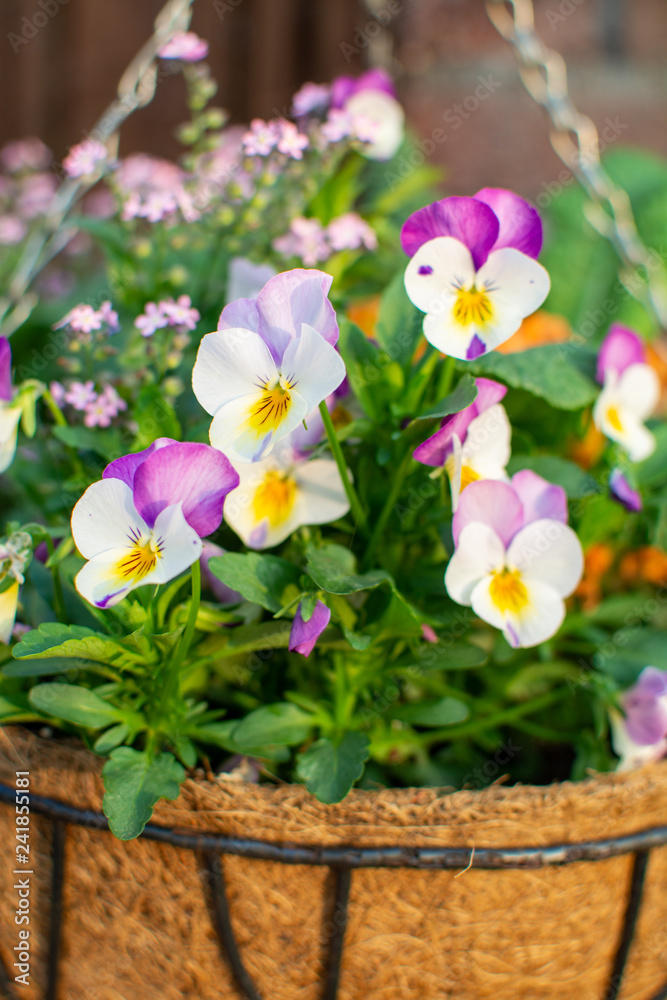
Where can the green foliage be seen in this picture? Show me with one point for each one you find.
(134, 782)
(262, 579)
(74, 704)
(544, 371)
(330, 769)
(333, 568)
(281, 723)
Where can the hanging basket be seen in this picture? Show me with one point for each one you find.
(244, 891)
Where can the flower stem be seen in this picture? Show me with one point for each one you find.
(337, 451)
(56, 412)
(446, 377)
(186, 638)
(507, 715)
(58, 599)
(388, 508)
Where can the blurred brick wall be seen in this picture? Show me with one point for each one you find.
(56, 82)
(448, 51)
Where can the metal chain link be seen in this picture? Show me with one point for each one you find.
(135, 89)
(575, 141)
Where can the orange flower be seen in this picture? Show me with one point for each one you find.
(656, 356)
(597, 561)
(587, 450)
(535, 331)
(365, 314)
(648, 564)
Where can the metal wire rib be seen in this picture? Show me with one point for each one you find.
(629, 924)
(6, 989)
(364, 857)
(59, 832)
(343, 877)
(216, 898)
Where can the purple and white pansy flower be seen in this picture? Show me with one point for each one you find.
(630, 392)
(515, 559)
(474, 443)
(473, 269)
(621, 490)
(376, 118)
(144, 521)
(269, 364)
(11, 408)
(304, 634)
(639, 735)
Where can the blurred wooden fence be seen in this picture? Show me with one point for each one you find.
(60, 61)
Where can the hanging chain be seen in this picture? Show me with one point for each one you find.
(135, 89)
(575, 141)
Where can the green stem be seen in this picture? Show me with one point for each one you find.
(337, 451)
(58, 599)
(56, 412)
(186, 638)
(508, 715)
(387, 510)
(446, 377)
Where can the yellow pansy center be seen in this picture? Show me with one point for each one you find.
(508, 592)
(140, 561)
(472, 306)
(272, 406)
(274, 498)
(468, 474)
(614, 418)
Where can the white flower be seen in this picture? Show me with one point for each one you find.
(624, 404)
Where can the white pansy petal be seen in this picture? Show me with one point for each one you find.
(241, 505)
(632, 754)
(548, 551)
(179, 545)
(313, 366)
(478, 554)
(9, 429)
(438, 268)
(513, 281)
(230, 364)
(540, 619)
(231, 432)
(99, 582)
(321, 496)
(621, 424)
(487, 446)
(638, 391)
(9, 600)
(105, 518)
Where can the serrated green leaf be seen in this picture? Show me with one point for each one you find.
(282, 723)
(543, 371)
(437, 712)
(329, 769)
(261, 579)
(51, 639)
(74, 704)
(134, 782)
(463, 395)
(111, 739)
(333, 568)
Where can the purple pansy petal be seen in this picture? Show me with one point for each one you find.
(345, 87)
(490, 502)
(621, 491)
(489, 393)
(125, 468)
(5, 369)
(539, 498)
(342, 89)
(195, 475)
(476, 348)
(291, 299)
(520, 223)
(304, 635)
(621, 348)
(471, 222)
(240, 315)
(436, 449)
(645, 707)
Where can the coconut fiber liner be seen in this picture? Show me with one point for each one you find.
(135, 923)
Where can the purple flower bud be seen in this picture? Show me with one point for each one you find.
(304, 635)
(621, 491)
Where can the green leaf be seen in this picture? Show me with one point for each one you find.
(463, 395)
(632, 651)
(282, 723)
(399, 322)
(652, 471)
(106, 443)
(458, 656)
(221, 734)
(329, 770)
(438, 712)
(134, 782)
(261, 579)
(111, 739)
(374, 377)
(40, 667)
(308, 602)
(536, 679)
(51, 639)
(543, 371)
(74, 704)
(265, 635)
(559, 471)
(333, 568)
(155, 417)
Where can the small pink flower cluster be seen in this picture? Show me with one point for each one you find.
(263, 137)
(85, 319)
(26, 187)
(85, 159)
(309, 240)
(152, 189)
(184, 45)
(99, 407)
(180, 314)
